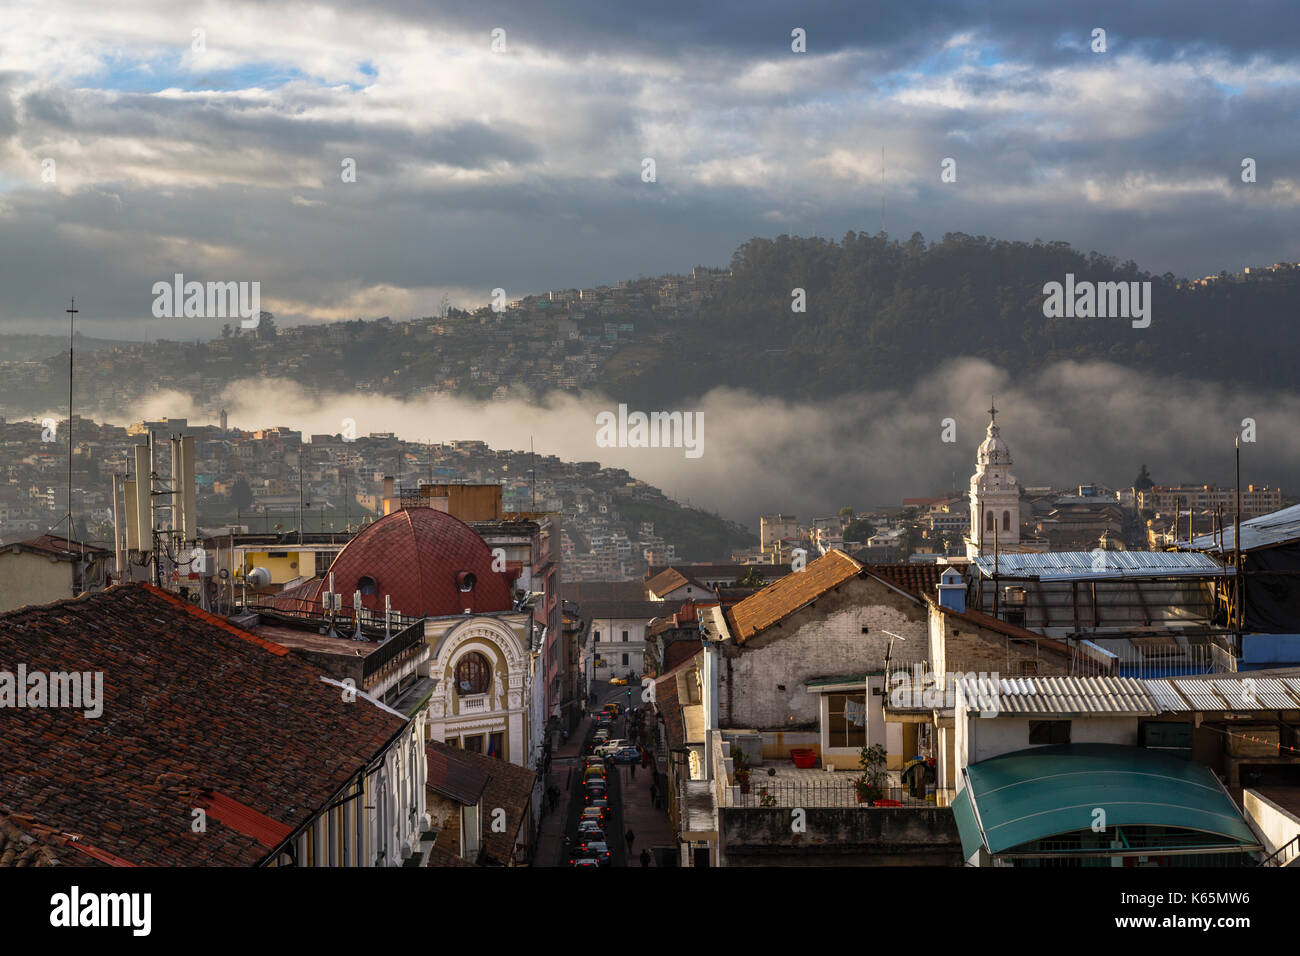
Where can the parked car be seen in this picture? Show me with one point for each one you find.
(626, 755)
(609, 746)
(596, 849)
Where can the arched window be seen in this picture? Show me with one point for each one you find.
(472, 674)
(988, 521)
(1006, 521)
(366, 585)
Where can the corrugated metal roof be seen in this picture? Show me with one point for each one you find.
(1166, 696)
(1059, 695)
(1089, 565)
(1200, 694)
(1272, 693)
(1122, 696)
(1276, 527)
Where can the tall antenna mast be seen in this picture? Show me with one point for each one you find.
(882, 189)
(533, 453)
(1236, 538)
(72, 318)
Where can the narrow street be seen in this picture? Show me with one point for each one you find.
(629, 794)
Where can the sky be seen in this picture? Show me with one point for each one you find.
(504, 145)
(143, 139)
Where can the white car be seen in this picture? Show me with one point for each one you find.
(609, 747)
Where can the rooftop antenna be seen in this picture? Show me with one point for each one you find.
(882, 190)
(533, 453)
(1236, 536)
(72, 318)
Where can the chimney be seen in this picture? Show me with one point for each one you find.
(952, 590)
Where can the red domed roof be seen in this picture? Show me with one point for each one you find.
(421, 558)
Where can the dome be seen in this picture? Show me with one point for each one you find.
(429, 563)
(993, 450)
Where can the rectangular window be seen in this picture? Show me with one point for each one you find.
(1049, 731)
(625, 660)
(474, 744)
(595, 637)
(497, 745)
(847, 720)
(625, 637)
(453, 742)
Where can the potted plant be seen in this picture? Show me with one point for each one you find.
(766, 798)
(870, 784)
(741, 772)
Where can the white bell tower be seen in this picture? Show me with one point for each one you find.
(994, 496)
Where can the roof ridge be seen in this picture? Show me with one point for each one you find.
(209, 618)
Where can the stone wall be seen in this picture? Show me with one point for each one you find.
(824, 639)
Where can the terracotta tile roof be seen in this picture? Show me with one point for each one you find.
(509, 787)
(191, 704)
(452, 777)
(440, 857)
(670, 580)
(24, 843)
(987, 621)
(678, 652)
(668, 705)
(918, 579)
(585, 592)
(790, 593)
(56, 547)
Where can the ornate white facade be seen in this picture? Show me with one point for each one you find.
(503, 708)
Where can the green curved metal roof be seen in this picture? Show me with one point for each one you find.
(1042, 792)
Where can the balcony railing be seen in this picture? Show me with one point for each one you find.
(839, 792)
(403, 640)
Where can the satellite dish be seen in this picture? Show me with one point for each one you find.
(258, 578)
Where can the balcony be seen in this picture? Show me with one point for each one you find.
(477, 704)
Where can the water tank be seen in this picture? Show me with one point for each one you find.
(258, 578)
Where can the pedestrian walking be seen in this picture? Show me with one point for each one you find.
(631, 838)
(645, 857)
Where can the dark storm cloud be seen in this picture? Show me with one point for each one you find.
(524, 171)
(1027, 30)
